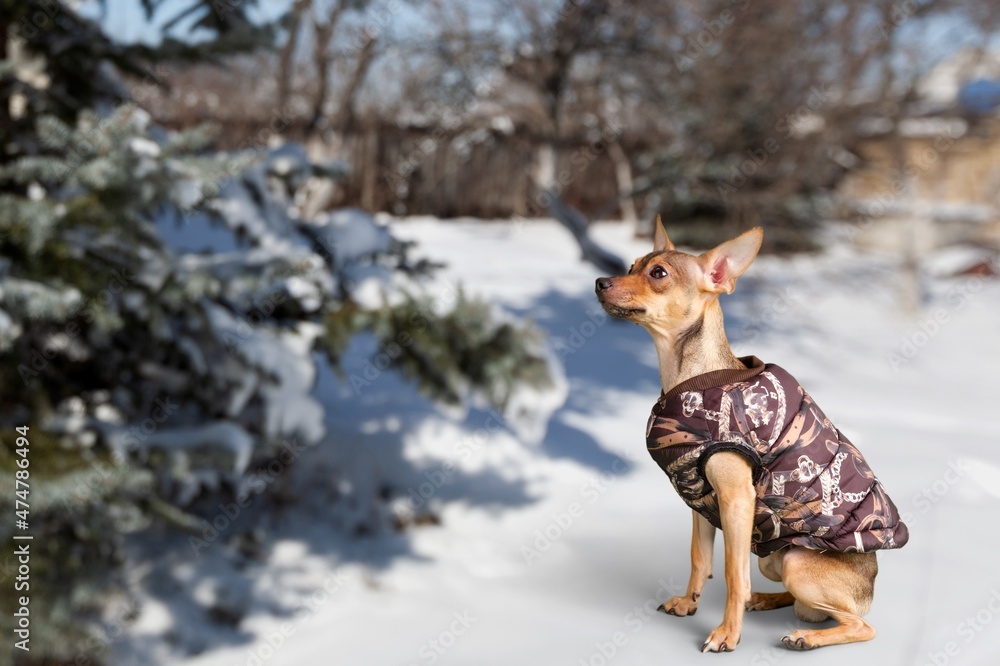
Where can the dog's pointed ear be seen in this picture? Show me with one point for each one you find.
(660, 240)
(730, 260)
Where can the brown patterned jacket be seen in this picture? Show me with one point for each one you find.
(814, 489)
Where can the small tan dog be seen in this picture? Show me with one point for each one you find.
(751, 453)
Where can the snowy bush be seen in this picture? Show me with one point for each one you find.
(167, 372)
(162, 312)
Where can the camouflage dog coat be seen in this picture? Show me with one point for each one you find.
(814, 488)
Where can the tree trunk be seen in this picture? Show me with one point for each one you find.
(369, 179)
(545, 166)
(347, 113)
(287, 58)
(623, 175)
(321, 59)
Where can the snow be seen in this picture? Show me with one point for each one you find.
(177, 443)
(34, 300)
(350, 234)
(224, 435)
(144, 147)
(288, 161)
(288, 409)
(951, 261)
(556, 539)
(238, 208)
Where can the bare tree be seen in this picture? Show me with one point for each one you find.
(323, 30)
(719, 113)
(286, 57)
(347, 111)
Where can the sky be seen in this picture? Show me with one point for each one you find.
(126, 21)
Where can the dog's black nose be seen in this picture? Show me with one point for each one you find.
(602, 284)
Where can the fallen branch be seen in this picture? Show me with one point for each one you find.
(578, 225)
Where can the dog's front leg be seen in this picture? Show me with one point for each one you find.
(731, 476)
(702, 542)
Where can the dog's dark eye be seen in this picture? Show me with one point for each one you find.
(658, 272)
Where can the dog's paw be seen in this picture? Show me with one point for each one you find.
(680, 606)
(798, 641)
(722, 639)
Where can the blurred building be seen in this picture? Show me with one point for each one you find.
(935, 173)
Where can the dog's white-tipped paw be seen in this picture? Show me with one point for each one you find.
(722, 639)
(797, 641)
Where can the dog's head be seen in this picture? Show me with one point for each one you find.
(668, 290)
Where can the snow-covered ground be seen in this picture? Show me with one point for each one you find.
(558, 535)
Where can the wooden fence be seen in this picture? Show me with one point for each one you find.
(481, 173)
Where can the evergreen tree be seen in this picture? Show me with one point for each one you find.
(151, 378)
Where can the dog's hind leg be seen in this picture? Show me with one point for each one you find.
(761, 601)
(770, 566)
(838, 585)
